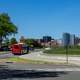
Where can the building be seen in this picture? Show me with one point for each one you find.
(47, 39)
(72, 40)
(22, 39)
(54, 43)
(59, 42)
(77, 40)
(66, 39)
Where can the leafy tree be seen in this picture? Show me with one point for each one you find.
(36, 44)
(6, 42)
(29, 41)
(33, 42)
(13, 41)
(7, 28)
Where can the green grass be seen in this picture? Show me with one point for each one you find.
(62, 50)
(17, 59)
(13, 59)
(20, 60)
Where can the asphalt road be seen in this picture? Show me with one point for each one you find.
(40, 56)
(18, 71)
(3, 56)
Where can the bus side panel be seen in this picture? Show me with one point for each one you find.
(16, 50)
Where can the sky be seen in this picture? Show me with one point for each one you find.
(37, 18)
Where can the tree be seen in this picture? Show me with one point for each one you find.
(13, 41)
(7, 28)
(29, 41)
(36, 44)
(6, 42)
(33, 42)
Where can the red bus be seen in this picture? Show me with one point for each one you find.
(19, 49)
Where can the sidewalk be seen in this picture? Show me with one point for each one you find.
(55, 59)
(4, 52)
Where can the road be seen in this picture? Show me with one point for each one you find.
(19, 71)
(6, 55)
(40, 56)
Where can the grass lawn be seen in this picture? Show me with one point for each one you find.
(62, 50)
(20, 60)
(15, 59)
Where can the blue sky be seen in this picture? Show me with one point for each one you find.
(36, 18)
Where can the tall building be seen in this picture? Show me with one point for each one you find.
(72, 40)
(69, 39)
(66, 39)
(47, 38)
(77, 40)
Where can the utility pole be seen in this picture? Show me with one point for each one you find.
(67, 54)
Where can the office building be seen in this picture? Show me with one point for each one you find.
(47, 38)
(72, 40)
(66, 39)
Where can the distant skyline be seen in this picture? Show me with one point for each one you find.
(37, 18)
